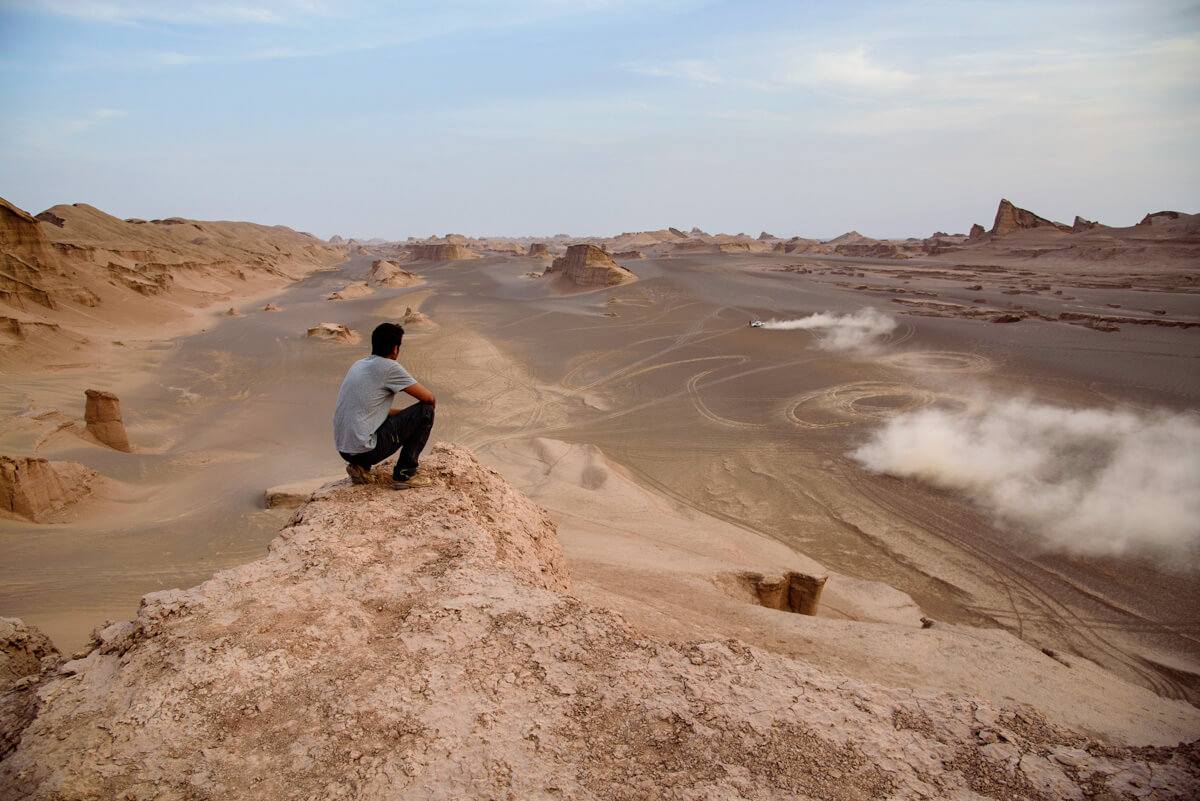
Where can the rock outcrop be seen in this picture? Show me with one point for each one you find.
(1083, 225)
(390, 274)
(1010, 218)
(416, 319)
(34, 489)
(335, 332)
(977, 231)
(354, 289)
(426, 645)
(589, 266)
(447, 252)
(1159, 217)
(103, 417)
(537, 250)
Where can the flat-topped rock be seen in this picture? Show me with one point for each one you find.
(444, 252)
(589, 266)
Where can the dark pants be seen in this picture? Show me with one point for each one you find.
(406, 431)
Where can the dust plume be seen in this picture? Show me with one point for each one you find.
(842, 332)
(1097, 482)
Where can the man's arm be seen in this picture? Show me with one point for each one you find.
(420, 393)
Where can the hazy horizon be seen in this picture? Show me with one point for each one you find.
(539, 117)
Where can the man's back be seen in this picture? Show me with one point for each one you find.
(364, 399)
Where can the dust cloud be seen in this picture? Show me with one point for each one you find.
(861, 330)
(1094, 482)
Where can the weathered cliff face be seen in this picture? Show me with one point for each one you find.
(589, 266)
(25, 255)
(1009, 218)
(26, 655)
(424, 644)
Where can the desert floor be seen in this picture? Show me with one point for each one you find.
(677, 448)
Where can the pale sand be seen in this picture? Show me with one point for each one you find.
(699, 449)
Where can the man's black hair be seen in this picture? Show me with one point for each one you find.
(386, 338)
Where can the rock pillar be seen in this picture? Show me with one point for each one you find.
(103, 417)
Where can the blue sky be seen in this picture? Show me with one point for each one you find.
(592, 117)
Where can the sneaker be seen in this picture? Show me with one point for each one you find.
(358, 474)
(412, 482)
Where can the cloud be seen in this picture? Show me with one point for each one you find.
(779, 70)
(92, 120)
(1087, 481)
(848, 69)
(690, 69)
(841, 332)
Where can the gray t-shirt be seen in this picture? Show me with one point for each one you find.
(364, 400)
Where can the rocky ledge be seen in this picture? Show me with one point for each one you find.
(425, 644)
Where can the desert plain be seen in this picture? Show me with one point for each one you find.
(970, 461)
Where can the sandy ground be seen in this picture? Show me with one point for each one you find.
(678, 450)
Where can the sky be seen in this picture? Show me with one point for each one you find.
(595, 117)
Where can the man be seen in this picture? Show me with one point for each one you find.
(366, 429)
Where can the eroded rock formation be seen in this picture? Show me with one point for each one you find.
(538, 250)
(354, 289)
(589, 266)
(390, 274)
(103, 417)
(447, 252)
(34, 489)
(416, 319)
(1010, 218)
(426, 645)
(335, 332)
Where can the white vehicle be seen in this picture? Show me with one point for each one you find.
(756, 324)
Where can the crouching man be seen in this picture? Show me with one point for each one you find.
(366, 429)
